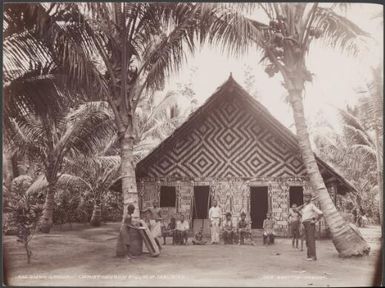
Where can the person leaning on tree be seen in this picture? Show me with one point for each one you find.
(310, 215)
(124, 233)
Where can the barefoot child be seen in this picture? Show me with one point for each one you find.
(294, 221)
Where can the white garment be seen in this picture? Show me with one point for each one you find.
(310, 211)
(182, 226)
(215, 230)
(155, 228)
(215, 212)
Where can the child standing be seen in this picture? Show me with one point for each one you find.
(294, 221)
(268, 230)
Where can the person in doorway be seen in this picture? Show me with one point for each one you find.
(243, 229)
(182, 228)
(228, 231)
(155, 219)
(294, 222)
(268, 230)
(310, 215)
(215, 215)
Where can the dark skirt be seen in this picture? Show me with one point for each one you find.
(295, 229)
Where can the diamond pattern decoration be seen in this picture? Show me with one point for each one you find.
(228, 141)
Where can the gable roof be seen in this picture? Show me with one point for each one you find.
(231, 86)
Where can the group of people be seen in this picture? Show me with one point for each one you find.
(307, 215)
(178, 230)
(230, 234)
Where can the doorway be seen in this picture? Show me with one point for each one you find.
(201, 205)
(258, 205)
(296, 195)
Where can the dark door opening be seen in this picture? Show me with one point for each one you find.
(296, 195)
(258, 206)
(201, 202)
(201, 205)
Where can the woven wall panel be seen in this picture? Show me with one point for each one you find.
(228, 141)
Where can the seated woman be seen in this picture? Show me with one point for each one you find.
(228, 231)
(169, 231)
(268, 230)
(243, 229)
(182, 228)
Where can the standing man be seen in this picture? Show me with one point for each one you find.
(215, 215)
(310, 215)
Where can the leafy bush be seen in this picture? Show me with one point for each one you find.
(23, 212)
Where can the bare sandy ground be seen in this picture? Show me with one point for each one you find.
(85, 257)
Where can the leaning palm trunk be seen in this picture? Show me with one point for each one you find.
(346, 239)
(46, 221)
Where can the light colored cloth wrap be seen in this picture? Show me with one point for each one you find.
(155, 228)
(215, 230)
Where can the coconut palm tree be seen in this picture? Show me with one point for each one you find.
(94, 174)
(49, 137)
(157, 121)
(116, 51)
(373, 106)
(285, 41)
(344, 151)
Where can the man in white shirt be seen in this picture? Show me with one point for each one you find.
(310, 215)
(182, 228)
(215, 215)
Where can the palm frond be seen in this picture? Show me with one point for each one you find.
(359, 137)
(368, 150)
(64, 180)
(166, 52)
(350, 120)
(39, 91)
(87, 127)
(338, 31)
(26, 138)
(225, 26)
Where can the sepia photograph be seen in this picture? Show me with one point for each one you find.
(192, 144)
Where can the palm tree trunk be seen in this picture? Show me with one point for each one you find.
(346, 239)
(46, 221)
(129, 188)
(7, 168)
(96, 216)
